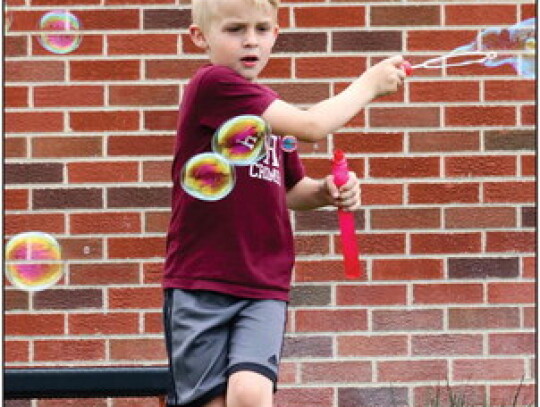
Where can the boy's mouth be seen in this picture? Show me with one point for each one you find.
(249, 60)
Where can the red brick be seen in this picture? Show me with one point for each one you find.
(522, 242)
(26, 122)
(447, 344)
(516, 191)
(448, 293)
(335, 16)
(142, 44)
(528, 166)
(483, 318)
(417, 15)
(409, 218)
(15, 96)
(135, 298)
(515, 343)
(406, 167)
(110, 19)
(92, 44)
(445, 91)
(476, 14)
(312, 244)
(156, 221)
(16, 351)
(136, 248)
(161, 120)
(329, 67)
(104, 121)
(528, 115)
(509, 90)
(318, 396)
(172, 68)
(153, 322)
(511, 293)
(48, 222)
(397, 320)
(34, 324)
(381, 194)
(480, 115)
(404, 117)
(68, 96)
(480, 166)
(69, 350)
(112, 222)
(500, 395)
(140, 145)
(34, 71)
(113, 70)
(446, 243)
(102, 172)
(61, 147)
(156, 171)
(330, 320)
(109, 323)
(15, 147)
(480, 217)
(372, 345)
(407, 269)
(16, 199)
(137, 349)
(444, 141)
(437, 40)
(371, 295)
(488, 369)
(444, 193)
(412, 371)
(143, 95)
(102, 274)
(335, 372)
(382, 142)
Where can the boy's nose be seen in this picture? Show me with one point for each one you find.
(250, 39)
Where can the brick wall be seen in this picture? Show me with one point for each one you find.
(446, 230)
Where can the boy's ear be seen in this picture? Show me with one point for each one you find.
(197, 36)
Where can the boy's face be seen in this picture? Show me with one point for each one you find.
(239, 35)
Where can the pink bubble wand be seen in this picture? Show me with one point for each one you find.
(349, 244)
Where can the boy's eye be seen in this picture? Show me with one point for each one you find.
(233, 28)
(263, 28)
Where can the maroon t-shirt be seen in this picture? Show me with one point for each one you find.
(242, 244)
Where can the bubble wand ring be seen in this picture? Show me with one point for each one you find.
(480, 57)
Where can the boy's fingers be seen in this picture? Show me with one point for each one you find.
(332, 188)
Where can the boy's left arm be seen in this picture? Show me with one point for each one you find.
(310, 193)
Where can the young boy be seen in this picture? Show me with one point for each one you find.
(228, 263)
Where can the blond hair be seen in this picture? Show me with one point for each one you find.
(201, 12)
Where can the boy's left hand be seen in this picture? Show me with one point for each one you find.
(347, 197)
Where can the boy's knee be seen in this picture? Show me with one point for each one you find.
(249, 389)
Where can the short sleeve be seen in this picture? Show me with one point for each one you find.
(224, 94)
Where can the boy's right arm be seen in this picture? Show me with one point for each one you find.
(331, 114)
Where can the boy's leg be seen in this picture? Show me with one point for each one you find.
(249, 389)
(255, 351)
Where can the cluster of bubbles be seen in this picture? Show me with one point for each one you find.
(240, 141)
(59, 32)
(33, 261)
(515, 45)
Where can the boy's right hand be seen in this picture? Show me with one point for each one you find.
(386, 76)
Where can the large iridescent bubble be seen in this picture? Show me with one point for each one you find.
(515, 45)
(33, 261)
(208, 176)
(60, 32)
(242, 140)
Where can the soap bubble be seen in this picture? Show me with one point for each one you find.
(33, 261)
(515, 45)
(289, 143)
(59, 32)
(242, 140)
(208, 176)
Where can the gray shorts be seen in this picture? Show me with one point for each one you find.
(210, 336)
